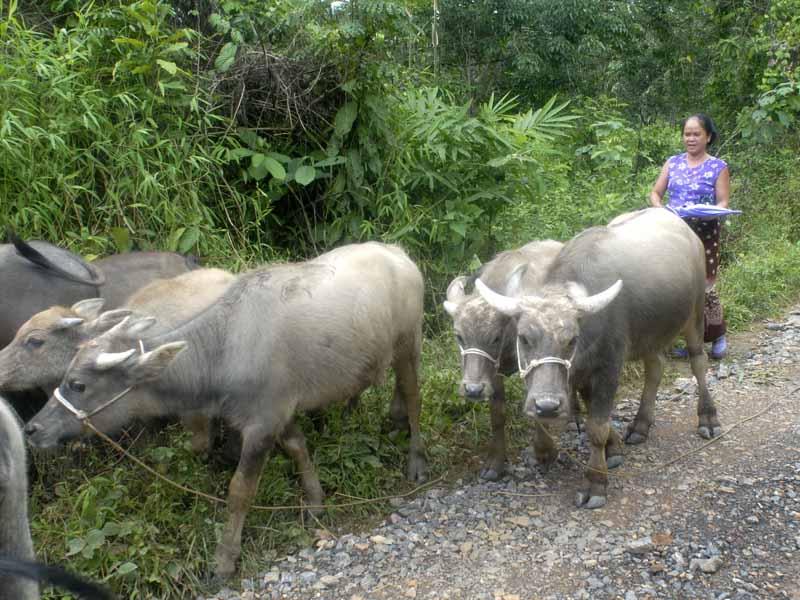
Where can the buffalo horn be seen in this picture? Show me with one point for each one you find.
(67, 322)
(599, 301)
(107, 360)
(507, 306)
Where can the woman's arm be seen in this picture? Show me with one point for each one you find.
(660, 186)
(722, 188)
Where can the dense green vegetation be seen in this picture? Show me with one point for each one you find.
(246, 131)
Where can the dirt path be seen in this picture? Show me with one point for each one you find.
(722, 521)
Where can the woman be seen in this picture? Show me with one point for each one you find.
(696, 177)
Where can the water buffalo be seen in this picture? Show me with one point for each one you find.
(616, 292)
(15, 536)
(19, 574)
(281, 339)
(486, 336)
(37, 275)
(44, 345)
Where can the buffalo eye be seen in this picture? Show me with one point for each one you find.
(496, 340)
(573, 342)
(76, 386)
(459, 340)
(34, 342)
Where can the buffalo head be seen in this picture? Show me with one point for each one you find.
(482, 334)
(547, 334)
(96, 382)
(45, 344)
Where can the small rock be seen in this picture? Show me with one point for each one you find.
(640, 546)
(706, 565)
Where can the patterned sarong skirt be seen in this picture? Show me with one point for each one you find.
(709, 233)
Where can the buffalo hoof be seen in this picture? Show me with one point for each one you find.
(612, 462)
(634, 437)
(542, 464)
(708, 433)
(584, 500)
(491, 473)
(417, 470)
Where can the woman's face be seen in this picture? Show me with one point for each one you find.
(695, 138)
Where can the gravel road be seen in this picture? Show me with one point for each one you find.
(721, 522)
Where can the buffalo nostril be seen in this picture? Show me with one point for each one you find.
(473, 390)
(32, 428)
(547, 407)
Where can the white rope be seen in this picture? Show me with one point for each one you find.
(555, 360)
(82, 415)
(479, 352)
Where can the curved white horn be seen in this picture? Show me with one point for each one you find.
(507, 306)
(116, 328)
(450, 307)
(599, 301)
(107, 360)
(67, 323)
(455, 291)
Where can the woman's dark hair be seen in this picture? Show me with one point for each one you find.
(706, 123)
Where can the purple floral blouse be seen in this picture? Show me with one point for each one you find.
(693, 185)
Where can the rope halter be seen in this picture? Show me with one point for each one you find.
(81, 414)
(479, 352)
(554, 360)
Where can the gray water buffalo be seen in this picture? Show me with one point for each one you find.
(486, 336)
(44, 345)
(281, 339)
(616, 292)
(19, 573)
(37, 275)
(15, 535)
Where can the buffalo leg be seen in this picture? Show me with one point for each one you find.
(256, 445)
(599, 396)
(708, 421)
(614, 457)
(496, 461)
(639, 430)
(294, 444)
(199, 426)
(407, 385)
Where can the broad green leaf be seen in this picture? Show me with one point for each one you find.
(174, 238)
(75, 545)
(127, 567)
(227, 55)
(305, 175)
(122, 239)
(188, 240)
(345, 118)
(169, 66)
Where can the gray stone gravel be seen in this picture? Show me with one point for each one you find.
(721, 524)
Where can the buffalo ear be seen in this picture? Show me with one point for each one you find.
(107, 320)
(456, 291)
(151, 364)
(514, 284)
(89, 309)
